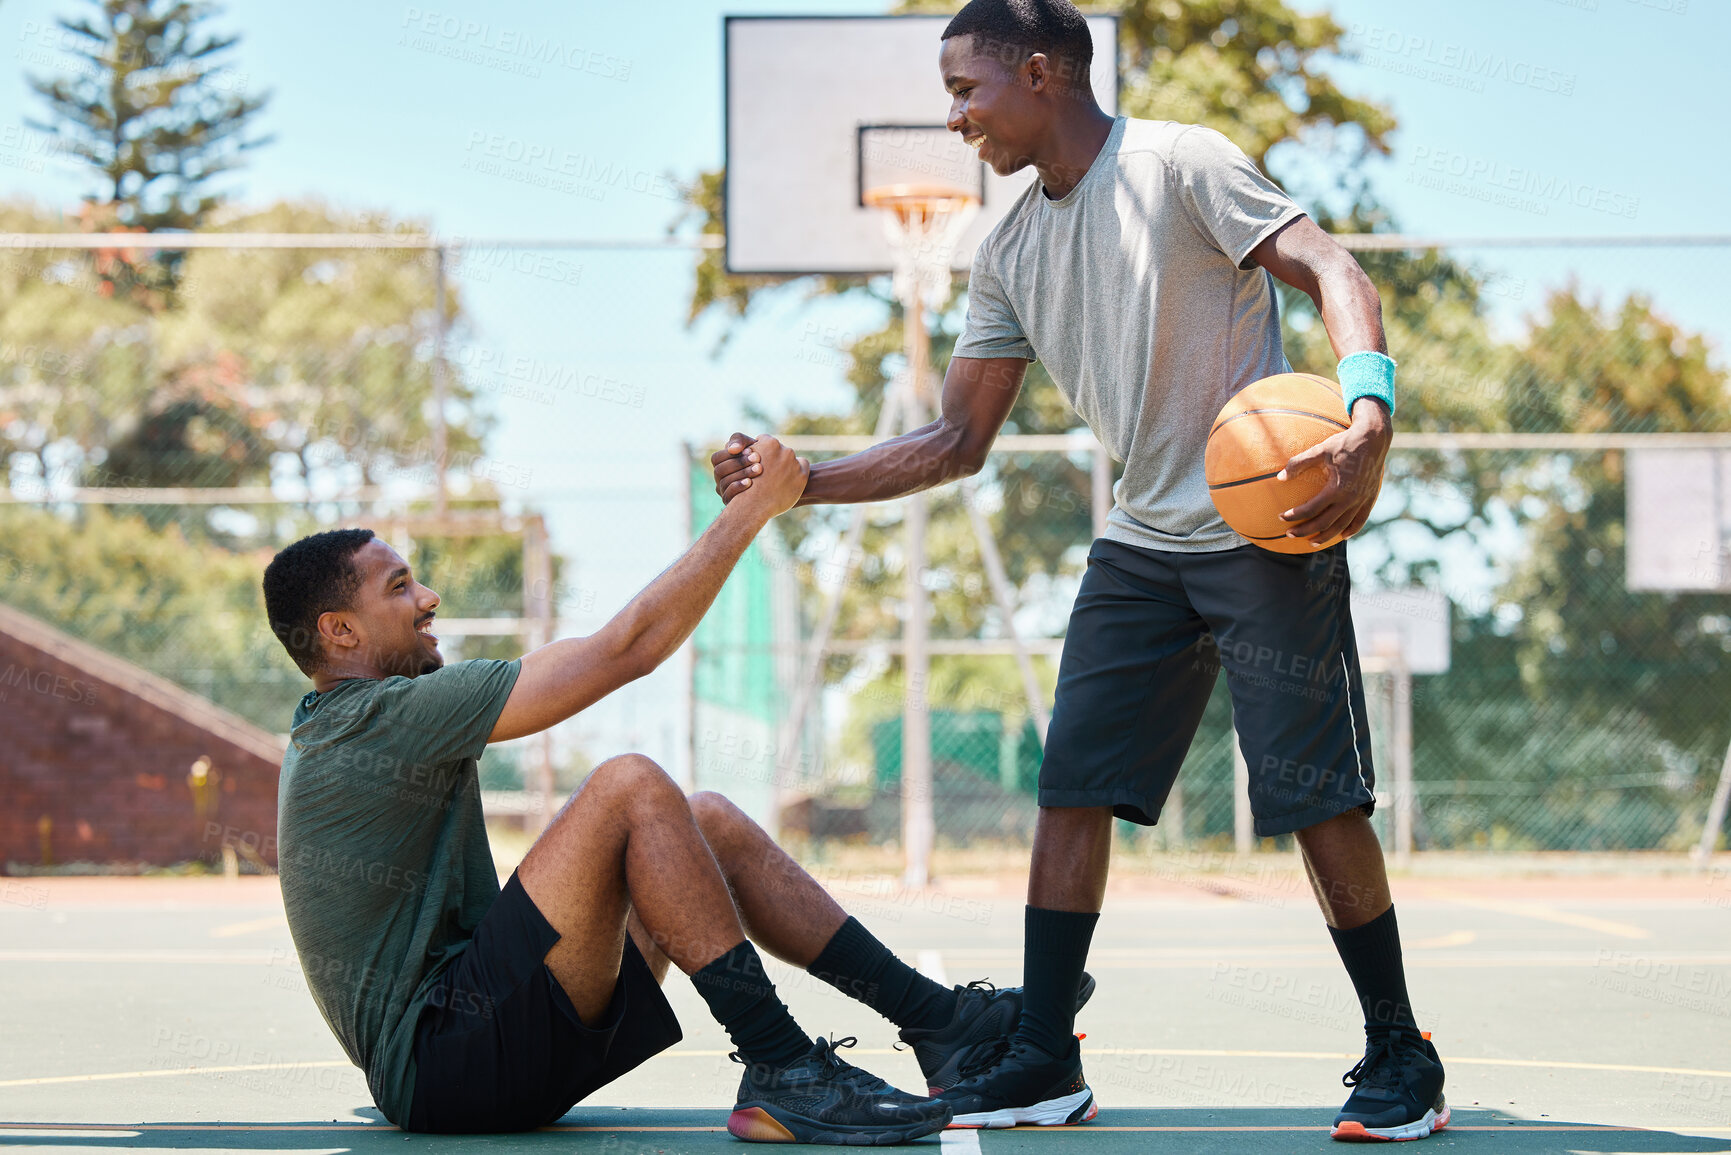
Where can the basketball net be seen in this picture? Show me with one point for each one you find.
(923, 224)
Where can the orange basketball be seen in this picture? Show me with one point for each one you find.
(1256, 434)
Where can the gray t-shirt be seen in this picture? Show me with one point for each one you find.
(383, 854)
(1133, 292)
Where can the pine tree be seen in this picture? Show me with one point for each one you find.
(151, 106)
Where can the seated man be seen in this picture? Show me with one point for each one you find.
(472, 1008)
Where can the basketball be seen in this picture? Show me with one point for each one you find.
(1257, 432)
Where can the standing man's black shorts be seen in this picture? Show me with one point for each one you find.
(500, 1047)
(1148, 634)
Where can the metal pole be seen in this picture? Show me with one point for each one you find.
(1715, 814)
(1243, 824)
(538, 613)
(918, 827)
(1172, 815)
(1102, 478)
(1400, 719)
(441, 451)
(688, 526)
(1005, 597)
(810, 679)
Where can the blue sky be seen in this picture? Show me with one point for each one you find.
(1578, 117)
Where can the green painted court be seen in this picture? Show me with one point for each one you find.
(1586, 1012)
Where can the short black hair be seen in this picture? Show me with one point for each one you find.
(1013, 30)
(313, 576)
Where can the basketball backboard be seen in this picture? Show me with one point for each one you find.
(1679, 519)
(1413, 623)
(818, 108)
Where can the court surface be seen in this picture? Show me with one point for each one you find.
(1580, 1013)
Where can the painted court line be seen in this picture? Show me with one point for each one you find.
(1540, 913)
(961, 1142)
(1185, 1052)
(931, 964)
(165, 1072)
(953, 1142)
(257, 924)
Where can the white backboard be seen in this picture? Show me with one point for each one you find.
(798, 91)
(1413, 623)
(1679, 519)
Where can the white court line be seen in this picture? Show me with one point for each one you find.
(257, 924)
(1539, 912)
(961, 1141)
(1088, 1052)
(931, 964)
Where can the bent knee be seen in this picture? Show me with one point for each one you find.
(634, 773)
(714, 813)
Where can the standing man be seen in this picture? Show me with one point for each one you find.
(1139, 268)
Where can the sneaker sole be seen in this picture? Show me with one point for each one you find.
(1355, 1132)
(1064, 1111)
(758, 1125)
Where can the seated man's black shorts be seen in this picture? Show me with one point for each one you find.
(1149, 632)
(500, 1047)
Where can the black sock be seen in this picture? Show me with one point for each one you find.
(1372, 956)
(743, 1000)
(1054, 950)
(855, 963)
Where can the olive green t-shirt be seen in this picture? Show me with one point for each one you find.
(382, 852)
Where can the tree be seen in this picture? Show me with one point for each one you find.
(150, 107)
(315, 363)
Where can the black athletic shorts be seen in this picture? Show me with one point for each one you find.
(500, 1047)
(1148, 634)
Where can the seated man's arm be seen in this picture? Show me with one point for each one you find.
(558, 680)
(978, 395)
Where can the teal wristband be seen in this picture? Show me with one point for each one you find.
(1366, 374)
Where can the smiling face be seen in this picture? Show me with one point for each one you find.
(386, 629)
(995, 101)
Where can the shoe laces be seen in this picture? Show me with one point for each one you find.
(825, 1049)
(982, 985)
(1386, 1055)
(833, 1063)
(985, 1058)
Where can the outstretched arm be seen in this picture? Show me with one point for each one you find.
(978, 395)
(562, 678)
(1308, 259)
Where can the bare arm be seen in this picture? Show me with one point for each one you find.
(1308, 259)
(1313, 262)
(978, 395)
(566, 676)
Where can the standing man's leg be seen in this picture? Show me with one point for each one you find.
(1283, 628)
(1132, 685)
(791, 916)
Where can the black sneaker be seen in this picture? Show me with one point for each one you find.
(1397, 1089)
(821, 1099)
(1017, 1084)
(985, 1016)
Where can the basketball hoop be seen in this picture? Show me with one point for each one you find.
(923, 223)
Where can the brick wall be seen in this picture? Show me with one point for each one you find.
(96, 760)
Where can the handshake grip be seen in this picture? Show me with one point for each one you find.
(760, 470)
